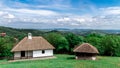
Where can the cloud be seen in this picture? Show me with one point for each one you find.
(80, 19)
(31, 11)
(39, 16)
(38, 4)
(64, 19)
(110, 10)
(6, 17)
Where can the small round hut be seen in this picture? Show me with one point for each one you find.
(86, 52)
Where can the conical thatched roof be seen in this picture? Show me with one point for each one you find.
(86, 48)
(36, 43)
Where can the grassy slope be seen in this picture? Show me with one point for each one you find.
(65, 61)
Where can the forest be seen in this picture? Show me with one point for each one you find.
(64, 42)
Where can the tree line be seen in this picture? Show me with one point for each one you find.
(107, 45)
(64, 42)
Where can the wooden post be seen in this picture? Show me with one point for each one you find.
(32, 54)
(13, 55)
(27, 54)
(20, 55)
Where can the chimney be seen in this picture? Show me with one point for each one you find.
(29, 36)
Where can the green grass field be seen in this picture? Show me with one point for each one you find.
(64, 61)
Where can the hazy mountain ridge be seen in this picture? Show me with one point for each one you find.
(13, 31)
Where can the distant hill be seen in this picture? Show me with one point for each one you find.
(84, 31)
(38, 32)
(19, 33)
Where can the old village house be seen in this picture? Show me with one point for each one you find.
(32, 47)
(86, 51)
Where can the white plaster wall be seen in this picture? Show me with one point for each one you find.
(17, 54)
(38, 53)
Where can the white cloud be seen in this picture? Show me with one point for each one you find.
(10, 16)
(5, 16)
(110, 10)
(31, 11)
(79, 19)
(65, 19)
(74, 24)
(1, 13)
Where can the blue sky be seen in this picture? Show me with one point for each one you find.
(81, 14)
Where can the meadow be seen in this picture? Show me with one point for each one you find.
(64, 61)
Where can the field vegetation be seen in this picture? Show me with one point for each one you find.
(64, 61)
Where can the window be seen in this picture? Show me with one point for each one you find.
(43, 51)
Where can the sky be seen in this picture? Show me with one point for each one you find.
(72, 14)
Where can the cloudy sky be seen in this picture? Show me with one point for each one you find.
(80, 14)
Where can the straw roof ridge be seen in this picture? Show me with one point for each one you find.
(86, 48)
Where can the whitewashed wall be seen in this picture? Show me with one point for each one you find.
(17, 54)
(38, 53)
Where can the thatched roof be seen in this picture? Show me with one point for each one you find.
(86, 48)
(36, 43)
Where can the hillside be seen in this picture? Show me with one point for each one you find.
(16, 32)
(19, 33)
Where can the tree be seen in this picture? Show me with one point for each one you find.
(6, 44)
(96, 41)
(58, 41)
(112, 45)
(73, 40)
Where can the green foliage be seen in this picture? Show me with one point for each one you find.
(73, 40)
(6, 44)
(111, 45)
(106, 44)
(60, 42)
(96, 41)
(96, 34)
